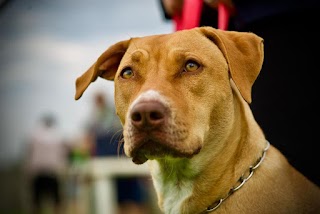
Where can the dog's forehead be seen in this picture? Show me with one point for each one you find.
(187, 40)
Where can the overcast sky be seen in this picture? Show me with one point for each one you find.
(45, 45)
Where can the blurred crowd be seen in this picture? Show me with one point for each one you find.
(55, 171)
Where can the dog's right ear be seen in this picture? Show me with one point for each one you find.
(106, 67)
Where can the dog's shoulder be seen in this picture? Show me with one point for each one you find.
(282, 182)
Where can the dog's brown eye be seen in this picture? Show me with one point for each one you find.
(126, 73)
(191, 66)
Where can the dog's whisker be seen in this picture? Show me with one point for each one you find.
(171, 172)
(120, 141)
(117, 137)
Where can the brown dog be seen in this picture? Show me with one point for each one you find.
(183, 101)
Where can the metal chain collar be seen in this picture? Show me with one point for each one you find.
(242, 180)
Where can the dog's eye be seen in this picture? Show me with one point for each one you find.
(191, 66)
(126, 73)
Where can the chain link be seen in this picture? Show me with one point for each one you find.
(242, 180)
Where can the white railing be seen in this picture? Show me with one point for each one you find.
(103, 171)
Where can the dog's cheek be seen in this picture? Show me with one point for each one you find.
(122, 100)
(121, 110)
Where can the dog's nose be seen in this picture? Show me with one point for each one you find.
(148, 115)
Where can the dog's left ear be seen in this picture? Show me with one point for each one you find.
(244, 54)
(106, 67)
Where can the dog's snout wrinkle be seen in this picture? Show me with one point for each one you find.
(148, 115)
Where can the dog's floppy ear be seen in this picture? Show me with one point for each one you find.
(244, 54)
(106, 67)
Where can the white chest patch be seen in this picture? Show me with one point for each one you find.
(174, 195)
(174, 191)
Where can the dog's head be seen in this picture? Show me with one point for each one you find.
(172, 91)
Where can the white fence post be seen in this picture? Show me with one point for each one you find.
(104, 170)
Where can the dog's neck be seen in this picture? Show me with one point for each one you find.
(181, 183)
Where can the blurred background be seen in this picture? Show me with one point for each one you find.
(45, 45)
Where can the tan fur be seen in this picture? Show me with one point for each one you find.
(209, 137)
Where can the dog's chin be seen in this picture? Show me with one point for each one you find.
(139, 158)
(155, 150)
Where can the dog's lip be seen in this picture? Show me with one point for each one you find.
(151, 149)
(139, 158)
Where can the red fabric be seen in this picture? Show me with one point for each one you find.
(191, 14)
(223, 16)
(190, 17)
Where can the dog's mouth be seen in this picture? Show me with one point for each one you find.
(151, 149)
(154, 130)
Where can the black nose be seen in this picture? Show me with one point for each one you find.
(148, 115)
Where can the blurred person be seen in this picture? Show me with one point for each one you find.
(103, 128)
(47, 161)
(284, 94)
(104, 137)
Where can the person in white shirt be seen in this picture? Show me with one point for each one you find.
(46, 163)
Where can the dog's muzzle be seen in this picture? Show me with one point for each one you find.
(152, 133)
